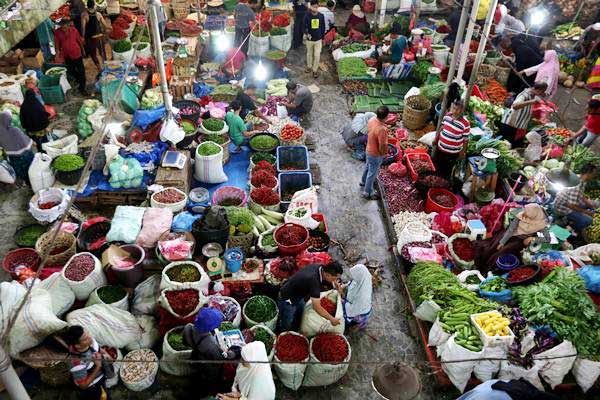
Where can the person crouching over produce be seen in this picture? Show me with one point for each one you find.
(377, 147)
(303, 285)
(253, 378)
(514, 122)
(589, 132)
(450, 143)
(237, 128)
(86, 363)
(496, 389)
(246, 98)
(357, 297)
(574, 205)
(204, 346)
(393, 52)
(300, 100)
(355, 134)
(519, 234)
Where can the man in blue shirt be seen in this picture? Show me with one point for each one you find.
(314, 31)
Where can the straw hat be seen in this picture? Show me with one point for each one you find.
(532, 219)
(357, 11)
(215, 3)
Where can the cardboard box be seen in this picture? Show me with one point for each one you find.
(32, 59)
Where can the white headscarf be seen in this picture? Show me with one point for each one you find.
(358, 298)
(256, 381)
(360, 121)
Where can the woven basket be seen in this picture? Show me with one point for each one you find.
(502, 74)
(486, 72)
(180, 12)
(52, 373)
(63, 239)
(244, 242)
(416, 112)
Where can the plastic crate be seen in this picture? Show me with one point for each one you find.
(129, 98)
(293, 181)
(51, 90)
(292, 158)
(492, 341)
(417, 156)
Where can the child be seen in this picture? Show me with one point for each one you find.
(591, 128)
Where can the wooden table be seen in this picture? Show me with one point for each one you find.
(174, 177)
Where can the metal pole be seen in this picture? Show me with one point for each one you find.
(154, 30)
(382, 10)
(459, 36)
(464, 54)
(482, 42)
(10, 379)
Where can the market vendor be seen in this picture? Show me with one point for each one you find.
(303, 285)
(515, 120)
(234, 62)
(204, 346)
(86, 365)
(377, 148)
(589, 132)
(357, 20)
(16, 145)
(300, 100)
(93, 26)
(397, 44)
(451, 141)
(246, 98)
(69, 46)
(238, 132)
(546, 72)
(519, 234)
(355, 134)
(34, 119)
(253, 378)
(496, 389)
(357, 297)
(574, 205)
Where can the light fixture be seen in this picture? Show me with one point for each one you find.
(222, 42)
(260, 73)
(537, 16)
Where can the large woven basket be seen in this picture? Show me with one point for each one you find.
(502, 74)
(180, 12)
(53, 370)
(416, 112)
(486, 72)
(244, 242)
(65, 242)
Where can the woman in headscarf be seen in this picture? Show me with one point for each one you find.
(546, 72)
(357, 297)
(527, 55)
(355, 134)
(519, 234)
(16, 145)
(253, 378)
(34, 118)
(357, 20)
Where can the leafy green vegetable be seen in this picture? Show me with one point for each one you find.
(260, 309)
(68, 162)
(208, 149)
(239, 216)
(275, 54)
(27, 236)
(215, 137)
(496, 284)
(175, 340)
(355, 47)
(111, 294)
(257, 157)
(421, 70)
(188, 127)
(351, 67)
(509, 161)
(579, 156)
(263, 142)
(213, 124)
(434, 91)
(277, 31)
(122, 46)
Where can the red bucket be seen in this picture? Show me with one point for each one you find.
(26, 257)
(432, 206)
(287, 229)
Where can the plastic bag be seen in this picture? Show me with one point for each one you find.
(586, 372)
(66, 145)
(7, 173)
(175, 250)
(462, 278)
(125, 173)
(306, 220)
(510, 371)
(427, 310)
(146, 295)
(555, 363)
(171, 132)
(11, 294)
(209, 169)
(150, 334)
(307, 197)
(428, 138)
(156, 221)
(459, 373)
(307, 258)
(313, 324)
(446, 223)
(485, 369)
(437, 335)
(503, 296)
(183, 221)
(126, 224)
(51, 195)
(170, 354)
(591, 277)
(60, 293)
(282, 111)
(40, 173)
(143, 118)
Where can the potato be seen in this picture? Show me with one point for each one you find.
(568, 83)
(580, 84)
(562, 76)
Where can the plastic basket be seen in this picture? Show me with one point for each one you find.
(50, 88)
(392, 155)
(294, 249)
(432, 206)
(418, 156)
(26, 257)
(229, 192)
(492, 341)
(291, 182)
(292, 158)
(129, 99)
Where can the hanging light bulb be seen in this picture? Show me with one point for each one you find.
(222, 42)
(260, 73)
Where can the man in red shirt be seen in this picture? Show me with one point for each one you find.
(589, 132)
(69, 45)
(377, 144)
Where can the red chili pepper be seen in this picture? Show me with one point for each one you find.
(520, 274)
(264, 196)
(329, 347)
(463, 249)
(290, 236)
(263, 178)
(184, 301)
(264, 166)
(290, 348)
(328, 305)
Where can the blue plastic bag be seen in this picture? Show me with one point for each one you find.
(591, 276)
(201, 89)
(143, 118)
(183, 221)
(503, 296)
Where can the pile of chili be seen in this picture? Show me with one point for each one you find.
(264, 166)
(329, 347)
(284, 267)
(463, 249)
(329, 305)
(264, 196)
(290, 347)
(520, 274)
(263, 178)
(184, 301)
(290, 236)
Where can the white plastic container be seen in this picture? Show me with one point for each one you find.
(492, 341)
(175, 207)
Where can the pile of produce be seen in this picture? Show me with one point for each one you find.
(258, 157)
(434, 91)
(84, 127)
(463, 248)
(260, 309)
(421, 70)
(275, 55)
(492, 112)
(268, 241)
(467, 337)
(520, 274)
(189, 109)
(405, 251)
(579, 156)
(264, 166)
(122, 46)
(433, 181)
(216, 138)
(175, 339)
(184, 273)
(277, 31)
(283, 267)
(493, 323)
(508, 162)
(291, 348)
(291, 132)
(420, 165)
(132, 371)
(117, 34)
(329, 305)
(250, 265)
(259, 334)
(68, 163)
(183, 302)
(281, 20)
(277, 89)
(593, 231)
(351, 67)
(496, 92)
(111, 294)
(79, 267)
(355, 88)
(208, 149)
(188, 127)
(494, 285)
(330, 347)
(400, 194)
(169, 196)
(226, 326)
(225, 92)
(263, 142)
(355, 47)
(151, 99)
(26, 259)
(263, 178)
(28, 236)
(264, 196)
(444, 200)
(291, 236)
(241, 220)
(213, 124)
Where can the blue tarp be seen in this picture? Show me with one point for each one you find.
(236, 170)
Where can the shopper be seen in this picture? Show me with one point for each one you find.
(16, 145)
(546, 72)
(45, 35)
(357, 297)
(450, 144)
(303, 285)
(237, 128)
(300, 11)
(93, 26)
(113, 9)
(77, 9)
(574, 205)
(69, 45)
(244, 15)
(514, 122)
(357, 20)
(34, 119)
(355, 134)
(300, 100)
(527, 54)
(328, 15)
(589, 132)
(253, 378)
(314, 30)
(496, 389)
(86, 364)
(247, 99)
(377, 145)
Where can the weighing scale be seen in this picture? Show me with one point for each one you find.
(214, 267)
(173, 159)
(476, 229)
(487, 163)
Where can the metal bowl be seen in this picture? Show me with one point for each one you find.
(210, 250)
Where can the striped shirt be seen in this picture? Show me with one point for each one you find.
(82, 364)
(519, 118)
(574, 195)
(454, 133)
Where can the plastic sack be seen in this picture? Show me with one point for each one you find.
(586, 372)
(229, 307)
(150, 334)
(201, 285)
(290, 375)
(146, 380)
(307, 258)
(446, 223)
(338, 54)
(183, 221)
(307, 197)
(114, 381)
(417, 254)
(51, 195)
(168, 318)
(209, 169)
(7, 173)
(282, 111)
(95, 279)
(437, 335)
(554, 364)
(34, 323)
(503, 296)
(143, 118)
(485, 369)
(591, 276)
(281, 42)
(428, 138)
(122, 304)
(313, 324)
(61, 294)
(156, 221)
(322, 374)
(125, 173)
(11, 294)
(66, 145)
(462, 278)
(170, 354)
(171, 132)
(126, 224)
(306, 220)
(413, 231)
(427, 310)
(581, 255)
(459, 373)
(110, 326)
(146, 295)
(510, 371)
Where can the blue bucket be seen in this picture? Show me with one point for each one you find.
(507, 262)
(234, 258)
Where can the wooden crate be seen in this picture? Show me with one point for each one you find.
(129, 197)
(173, 177)
(181, 86)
